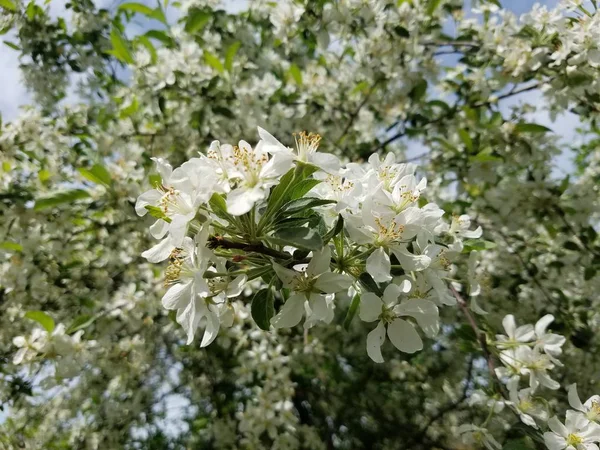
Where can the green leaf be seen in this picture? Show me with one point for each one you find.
(299, 237)
(263, 308)
(219, 206)
(369, 284)
(155, 180)
(302, 204)
(42, 318)
(11, 246)
(464, 136)
(296, 74)
(301, 188)
(60, 198)
(97, 174)
(531, 128)
(351, 312)
(157, 213)
(419, 91)
(143, 40)
(230, 55)
(11, 45)
(160, 36)
(433, 5)
(136, 8)
(213, 61)
(8, 4)
(120, 47)
(196, 20)
(477, 244)
(159, 15)
(80, 323)
(335, 230)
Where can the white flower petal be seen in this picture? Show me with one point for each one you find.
(177, 296)
(148, 198)
(404, 336)
(330, 282)
(319, 262)
(291, 312)
(212, 329)
(379, 266)
(160, 251)
(374, 342)
(370, 307)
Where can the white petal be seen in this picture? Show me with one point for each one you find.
(374, 342)
(330, 282)
(379, 266)
(370, 307)
(556, 426)
(160, 251)
(236, 286)
(291, 313)
(19, 341)
(325, 161)
(271, 144)
(241, 200)
(148, 198)
(574, 400)
(212, 329)
(286, 276)
(319, 310)
(554, 442)
(392, 293)
(404, 336)
(509, 325)
(476, 308)
(164, 169)
(319, 263)
(425, 313)
(178, 296)
(409, 261)
(159, 229)
(542, 324)
(279, 164)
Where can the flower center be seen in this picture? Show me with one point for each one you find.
(306, 143)
(574, 440)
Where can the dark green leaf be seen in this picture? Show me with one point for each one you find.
(369, 284)
(60, 198)
(302, 204)
(337, 229)
(263, 308)
(351, 312)
(531, 128)
(464, 136)
(299, 237)
(80, 323)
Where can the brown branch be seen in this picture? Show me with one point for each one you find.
(481, 338)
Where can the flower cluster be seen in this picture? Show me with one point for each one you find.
(310, 229)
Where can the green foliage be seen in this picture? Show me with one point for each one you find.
(263, 308)
(42, 318)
